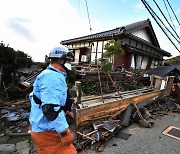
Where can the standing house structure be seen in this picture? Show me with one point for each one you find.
(139, 41)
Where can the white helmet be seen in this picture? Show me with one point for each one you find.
(58, 52)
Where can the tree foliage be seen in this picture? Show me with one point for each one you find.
(11, 61)
(173, 60)
(106, 66)
(113, 48)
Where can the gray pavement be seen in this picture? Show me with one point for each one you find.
(141, 141)
(145, 140)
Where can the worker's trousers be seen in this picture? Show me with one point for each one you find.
(51, 142)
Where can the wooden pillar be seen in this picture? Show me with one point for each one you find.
(78, 91)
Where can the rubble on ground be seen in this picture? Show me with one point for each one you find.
(143, 106)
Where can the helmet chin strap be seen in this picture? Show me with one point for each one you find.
(63, 65)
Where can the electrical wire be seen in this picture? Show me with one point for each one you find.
(173, 12)
(88, 17)
(153, 14)
(166, 18)
(79, 6)
(169, 14)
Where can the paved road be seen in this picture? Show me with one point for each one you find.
(145, 140)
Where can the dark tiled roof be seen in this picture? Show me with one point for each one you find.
(164, 70)
(109, 32)
(125, 30)
(177, 65)
(136, 25)
(33, 68)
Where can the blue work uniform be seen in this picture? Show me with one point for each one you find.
(51, 88)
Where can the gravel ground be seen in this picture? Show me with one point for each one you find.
(145, 140)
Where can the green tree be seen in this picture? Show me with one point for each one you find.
(11, 61)
(173, 60)
(113, 48)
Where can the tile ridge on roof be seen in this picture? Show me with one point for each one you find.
(136, 24)
(126, 27)
(91, 35)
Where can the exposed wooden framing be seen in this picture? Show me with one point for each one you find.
(78, 91)
(169, 84)
(87, 136)
(84, 116)
(146, 52)
(96, 53)
(87, 114)
(129, 41)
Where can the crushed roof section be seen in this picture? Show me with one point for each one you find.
(164, 70)
(177, 65)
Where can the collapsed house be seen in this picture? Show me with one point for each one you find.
(99, 118)
(139, 41)
(173, 70)
(92, 108)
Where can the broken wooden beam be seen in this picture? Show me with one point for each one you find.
(87, 136)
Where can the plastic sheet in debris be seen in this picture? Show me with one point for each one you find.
(4, 111)
(13, 116)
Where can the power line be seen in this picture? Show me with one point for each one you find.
(88, 17)
(173, 12)
(156, 16)
(153, 14)
(166, 19)
(169, 14)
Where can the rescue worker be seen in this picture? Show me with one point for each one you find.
(50, 130)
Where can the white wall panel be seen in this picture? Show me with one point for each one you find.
(133, 62)
(144, 62)
(142, 33)
(77, 52)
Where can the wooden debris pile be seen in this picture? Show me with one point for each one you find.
(100, 131)
(102, 117)
(14, 119)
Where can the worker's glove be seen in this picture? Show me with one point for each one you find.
(71, 114)
(67, 139)
(70, 118)
(69, 102)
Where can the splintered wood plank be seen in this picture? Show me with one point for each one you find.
(94, 97)
(94, 101)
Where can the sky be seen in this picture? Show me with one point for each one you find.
(37, 26)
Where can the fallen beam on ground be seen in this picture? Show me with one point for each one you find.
(93, 109)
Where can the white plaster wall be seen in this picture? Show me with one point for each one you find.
(153, 64)
(77, 52)
(142, 34)
(144, 62)
(138, 62)
(133, 62)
